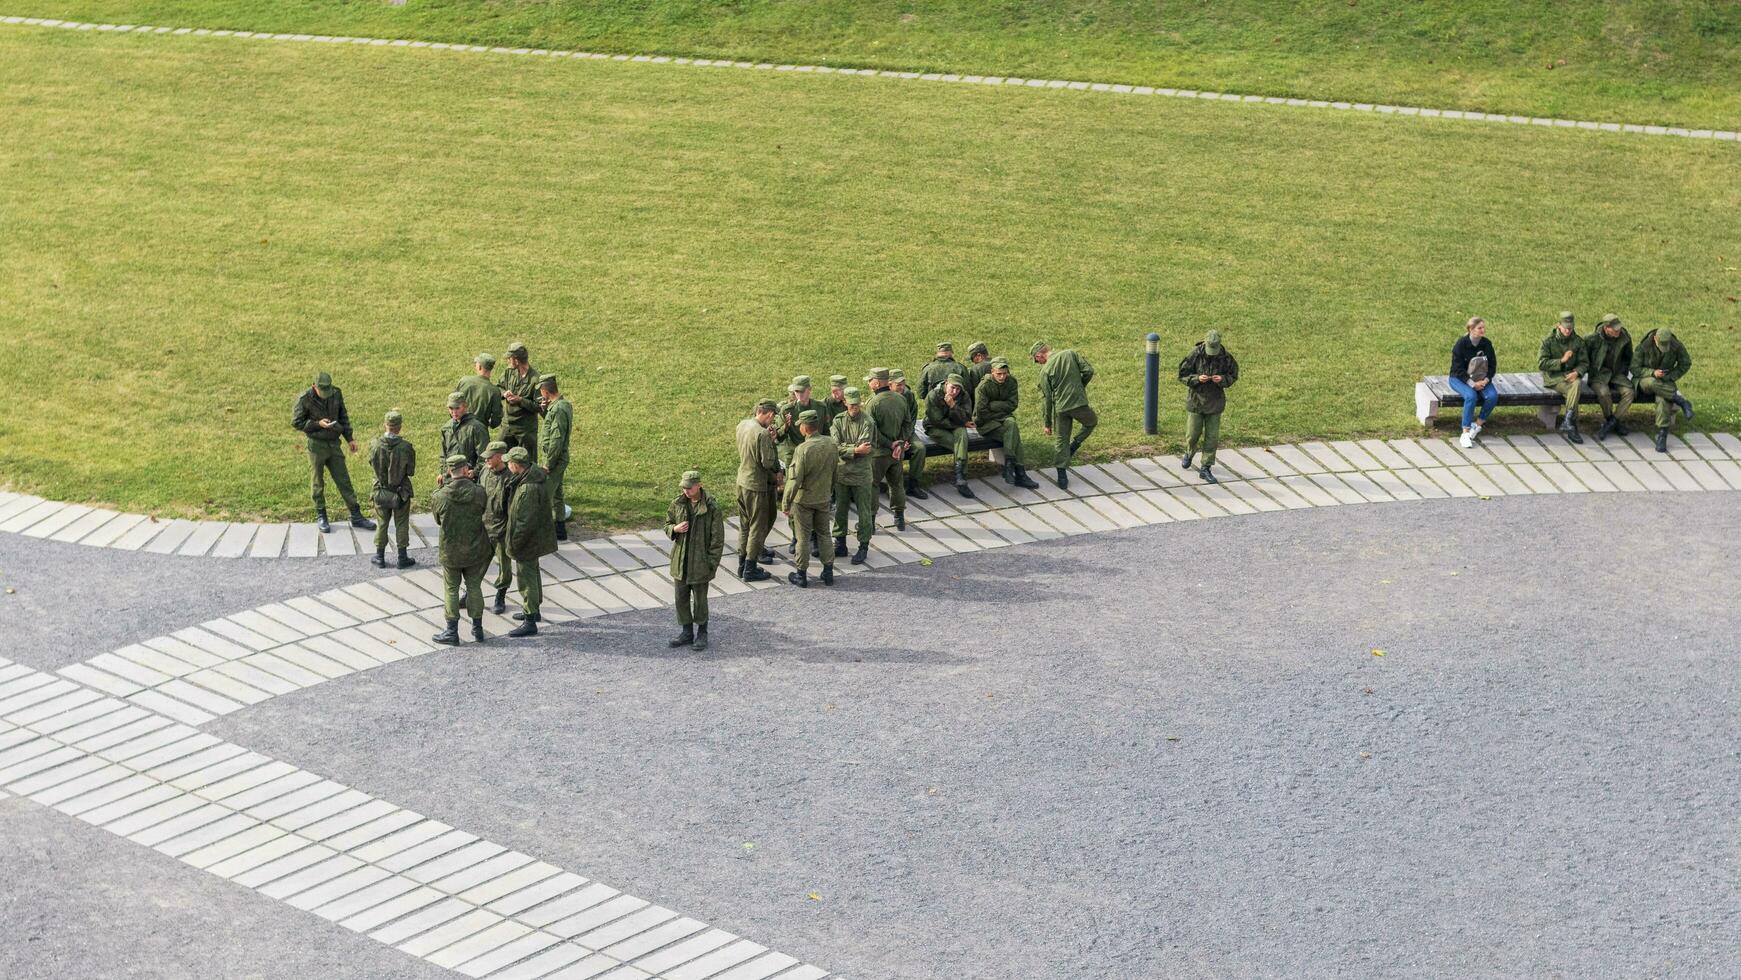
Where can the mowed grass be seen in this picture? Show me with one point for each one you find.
(1673, 62)
(190, 227)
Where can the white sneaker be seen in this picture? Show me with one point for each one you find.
(1468, 440)
(1475, 433)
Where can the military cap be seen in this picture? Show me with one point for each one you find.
(455, 400)
(853, 396)
(485, 360)
(956, 380)
(1039, 345)
(394, 416)
(977, 347)
(877, 374)
(690, 478)
(323, 381)
(799, 383)
(1000, 362)
(837, 381)
(896, 374)
(811, 416)
(495, 447)
(547, 379)
(767, 405)
(519, 455)
(1609, 319)
(946, 346)
(1664, 336)
(456, 460)
(517, 349)
(1566, 316)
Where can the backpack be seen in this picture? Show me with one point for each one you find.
(1478, 367)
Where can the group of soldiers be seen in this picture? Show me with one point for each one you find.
(1617, 372)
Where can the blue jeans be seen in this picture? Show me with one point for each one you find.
(1486, 398)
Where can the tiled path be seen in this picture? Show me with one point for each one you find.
(1000, 80)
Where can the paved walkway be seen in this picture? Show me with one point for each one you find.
(999, 80)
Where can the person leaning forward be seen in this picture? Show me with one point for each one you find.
(1658, 363)
(1563, 362)
(463, 435)
(947, 417)
(1064, 378)
(695, 523)
(1608, 352)
(498, 483)
(1207, 372)
(994, 415)
(553, 447)
(519, 386)
(482, 398)
(531, 535)
(810, 491)
(759, 471)
(893, 437)
(855, 434)
(394, 461)
(459, 506)
(319, 414)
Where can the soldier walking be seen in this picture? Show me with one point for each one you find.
(759, 470)
(463, 435)
(855, 434)
(809, 492)
(946, 419)
(696, 526)
(531, 535)
(394, 461)
(1064, 378)
(320, 415)
(1658, 364)
(482, 398)
(994, 415)
(1207, 372)
(458, 506)
(1563, 362)
(519, 386)
(1609, 353)
(553, 447)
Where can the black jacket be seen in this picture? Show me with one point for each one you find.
(1464, 349)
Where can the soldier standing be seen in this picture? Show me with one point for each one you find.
(1563, 362)
(1064, 378)
(498, 483)
(696, 526)
(790, 437)
(1609, 353)
(946, 419)
(463, 435)
(810, 491)
(553, 447)
(938, 369)
(888, 410)
(759, 471)
(994, 415)
(1658, 364)
(977, 367)
(320, 415)
(1207, 372)
(482, 398)
(531, 536)
(836, 400)
(519, 386)
(855, 434)
(394, 461)
(459, 507)
(915, 482)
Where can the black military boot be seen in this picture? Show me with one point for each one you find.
(501, 605)
(800, 579)
(815, 545)
(828, 575)
(1606, 429)
(380, 559)
(527, 627)
(449, 636)
(792, 549)
(1620, 428)
(915, 490)
(562, 530)
(521, 617)
(1063, 478)
(767, 556)
(1662, 440)
(754, 573)
(1009, 471)
(405, 560)
(685, 637)
(1076, 444)
(1208, 477)
(359, 521)
(1185, 461)
(840, 546)
(1569, 428)
(741, 562)
(900, 520)
(700, 637)
(478, 630)
(961, 486)
(1685, 406)
(863, 552)
(321, 521)
(1025, 481)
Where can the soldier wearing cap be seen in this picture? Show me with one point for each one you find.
(836, 400)
(1658, 363)
(498, 483)
(1064, 378)
(394, 461)
(1206, 372)
(855, 434)
(938, 370)
(810, 491)
(531, 535)
(1609, 353)
(319, 414)
(913, 486)
(947, 417)
(459, 506)
(482, 398)
(463, 435)
(696, 526)
(894, 434)
(994, 416)
(1563, 362)
(759, 470)
(519, 386)
(977, 367)
(553, 447)
(790, 438)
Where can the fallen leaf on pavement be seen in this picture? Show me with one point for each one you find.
(1377, 652)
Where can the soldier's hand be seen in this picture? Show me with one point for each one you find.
(1657, 373)
(1215, 378)
(1565, 357)
(1202, 377)
(353, 446)
(326, 423)
(680, 528)
(1045, 430)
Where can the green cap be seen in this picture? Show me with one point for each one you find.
(1212, 341)
(547, 379)
(1038, 346)
(455, 400)
(495, 447)
(517, 349)
(1664, 336)
(519, 455)
(956, 380)
(837, 381)
(1566, 316)
(810, 415)
(896, 374)
(690, 478)
(853, 396)
(878, 374)
(487, 361)
(767, 405)
(394, 416)
(1609, 320)
(323, 381)
(456, 460)
(945, 346)
(977, 347)
(999, 362)
(799, 383)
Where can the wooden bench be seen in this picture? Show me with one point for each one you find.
(1435, 392)
(976, 443)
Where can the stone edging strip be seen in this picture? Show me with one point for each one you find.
(999, 80)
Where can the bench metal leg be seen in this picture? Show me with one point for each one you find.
(1426, 404)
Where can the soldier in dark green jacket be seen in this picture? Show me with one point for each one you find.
(463, 435)
(394, 461)
(498, 483)
(695, 523)
(836, 400)
(894, 437)
(459, 507)
(789, 438)
(1658, 364)
(938, 369)
(759, 471)
(1563, 362)
(482, 398)
(915, 483)
(1064, 378)
(947, 416)
(855, 434)
(1608, 352)
(1207, 372)
(319, 414)
(553, 447)
(810, 491)
(977, 367)
(531, 536)
(994, 415)
(519, 386)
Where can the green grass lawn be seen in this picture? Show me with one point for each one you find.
(190, 226)
(1673, 62)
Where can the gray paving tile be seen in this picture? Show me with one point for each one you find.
(87, 525)
(171, 537)
(204, 536)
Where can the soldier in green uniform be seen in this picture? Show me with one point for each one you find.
(498, 483)
(519, 386)
(894, 435)
(695, 523)
(1658, 363)
(836, 400)
(994, 415)
(319, 414)
(553, 447)
(1207, 372)
(1609, 353)
(938, 369)
(1064, 378)
(482, 398)
(531, 535)
(394, 461)
(459, 507)
(759, 470)
(946, 419)
(914, 485)
(463, 435)
(790, 438)
(855, 434)
(977, 367)
(810, 491)
(1563, 362)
